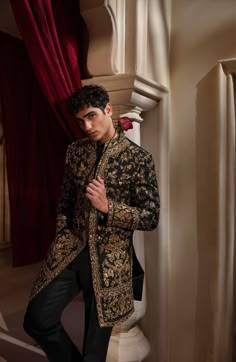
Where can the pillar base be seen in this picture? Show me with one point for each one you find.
(130, 346)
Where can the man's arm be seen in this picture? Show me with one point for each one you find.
(144, 212)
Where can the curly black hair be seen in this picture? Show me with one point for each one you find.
(88, 96)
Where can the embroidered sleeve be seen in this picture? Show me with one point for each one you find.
(143, 212)
(67, 197)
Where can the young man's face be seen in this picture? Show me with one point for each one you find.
(97, 125)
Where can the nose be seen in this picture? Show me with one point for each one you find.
(87, 125)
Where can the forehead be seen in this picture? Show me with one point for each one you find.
(86, 110)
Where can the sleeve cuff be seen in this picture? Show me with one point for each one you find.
(122, 215)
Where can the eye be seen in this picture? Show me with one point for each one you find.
(91, 116)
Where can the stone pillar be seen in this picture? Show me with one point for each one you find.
(128, 342)
(130, 95)
(123, 57)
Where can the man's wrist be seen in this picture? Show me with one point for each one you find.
(105, 209)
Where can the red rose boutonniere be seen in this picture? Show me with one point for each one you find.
(123, 124)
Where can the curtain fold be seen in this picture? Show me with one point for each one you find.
(35, 80)
(50, 30)
(215, 146)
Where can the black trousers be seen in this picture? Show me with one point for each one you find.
(43, 316)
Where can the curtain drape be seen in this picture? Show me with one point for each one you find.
(34, 86)
(35, 147)
(50, 33)
(215, 144)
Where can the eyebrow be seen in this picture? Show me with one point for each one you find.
(86, 115)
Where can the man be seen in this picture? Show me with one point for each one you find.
(109, 190)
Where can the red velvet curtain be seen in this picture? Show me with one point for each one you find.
(37, 125)
(50, 32)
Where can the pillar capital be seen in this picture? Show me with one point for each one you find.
(130, 93)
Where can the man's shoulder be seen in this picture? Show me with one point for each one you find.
(78, 149)
(83, 142)
(138, 150)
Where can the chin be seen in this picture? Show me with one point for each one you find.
(94, 137)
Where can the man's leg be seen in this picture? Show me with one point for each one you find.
(43, 318)
(96, 339)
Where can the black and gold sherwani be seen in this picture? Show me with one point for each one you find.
(130, 181)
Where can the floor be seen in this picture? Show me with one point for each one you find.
(15, 284)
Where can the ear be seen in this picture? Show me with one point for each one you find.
(108, 109)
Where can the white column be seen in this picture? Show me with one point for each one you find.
(131, 94)
(128, 343)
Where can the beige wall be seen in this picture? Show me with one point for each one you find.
(7, 21)
(158, 38)
(203, 32)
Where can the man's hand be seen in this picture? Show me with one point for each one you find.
(96, 193)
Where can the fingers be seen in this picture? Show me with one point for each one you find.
(96, 193)
(96, 183)
(100, 180)
(92, 187)
(95, 186)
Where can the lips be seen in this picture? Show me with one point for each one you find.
(91, 134)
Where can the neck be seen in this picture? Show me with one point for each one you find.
(109, 139)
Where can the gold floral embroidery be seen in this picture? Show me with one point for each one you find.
(116, 267)
(129, 176)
